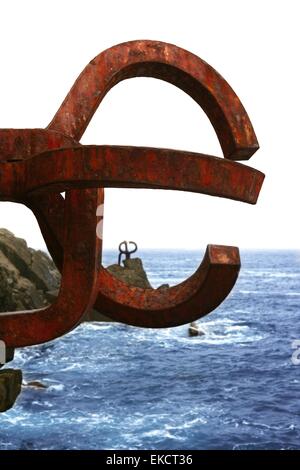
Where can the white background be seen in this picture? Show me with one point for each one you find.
(254, 45)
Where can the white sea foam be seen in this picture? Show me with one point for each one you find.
(58, 387)
(250, 292)
(218, 339)
(234, 328)
(261, 425)
(162, 433)
(288, 275)
(95, 326)
(12, 417)
(268, 274)
(188, 424)
(218, 331)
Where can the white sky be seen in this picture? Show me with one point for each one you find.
(254, 45)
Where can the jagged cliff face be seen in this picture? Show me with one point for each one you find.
(28, 278)
(10, 387)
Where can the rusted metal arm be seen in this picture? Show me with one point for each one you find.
(131, 167)
(79, 288)
(169, 63)
(21, 144)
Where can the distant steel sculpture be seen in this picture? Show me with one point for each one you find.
(36, 165)
(125, 251)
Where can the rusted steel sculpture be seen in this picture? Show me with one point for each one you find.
(125, 251)
(36, 165)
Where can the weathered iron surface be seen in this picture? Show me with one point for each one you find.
(37, 164)
(166, 62)
(130, 167)
(79, 288)
(20, 144)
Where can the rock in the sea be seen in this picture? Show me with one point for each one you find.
(35, 384)
(132, 273)
(195, 330)
(163, 286)
(10, 387)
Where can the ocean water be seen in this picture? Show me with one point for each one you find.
(112, 386)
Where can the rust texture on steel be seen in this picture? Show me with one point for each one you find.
(36, 165)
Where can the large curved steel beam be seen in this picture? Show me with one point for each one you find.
(79, 287)
(130, 167)
(166, 62)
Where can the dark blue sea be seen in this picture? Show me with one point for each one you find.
(112, 386)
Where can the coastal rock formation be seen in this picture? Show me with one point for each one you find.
(26, 275)
(10, 387)
(131, 273)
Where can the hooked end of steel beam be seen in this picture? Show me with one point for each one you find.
(223, 254)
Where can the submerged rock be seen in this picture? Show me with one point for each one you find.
(34, 384)
(10, 387)
(195, 330)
